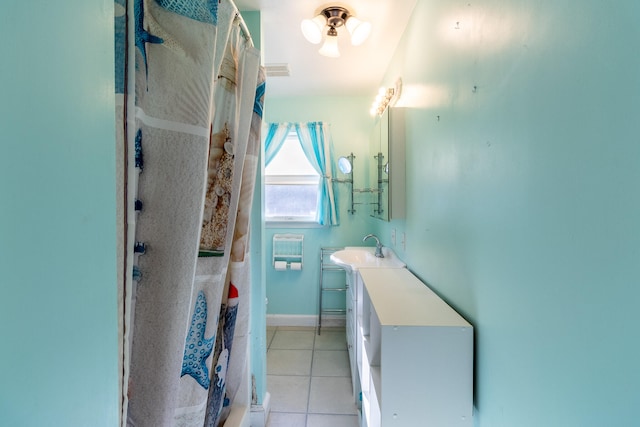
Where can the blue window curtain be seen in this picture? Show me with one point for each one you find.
(315, 139)
(276, 135)
(316, 143)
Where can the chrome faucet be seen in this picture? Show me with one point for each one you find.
(378, 245)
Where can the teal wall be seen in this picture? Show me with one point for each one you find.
(58, 304)
(296, 292)
(258, 289)
(523, 204)
(523, 207)
(252, 20)
(522, 211)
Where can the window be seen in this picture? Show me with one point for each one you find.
(291, 184)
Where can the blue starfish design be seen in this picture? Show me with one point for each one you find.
(143, 36)
(197, 348)
(258, 105)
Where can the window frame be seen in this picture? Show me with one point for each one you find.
(286, 221)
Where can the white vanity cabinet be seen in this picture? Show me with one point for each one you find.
(351, 333)
(416, 354)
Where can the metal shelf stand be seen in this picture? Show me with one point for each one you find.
(326, 265)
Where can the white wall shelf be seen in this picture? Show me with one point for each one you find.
(288, 251)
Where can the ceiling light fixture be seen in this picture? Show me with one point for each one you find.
(334, 17)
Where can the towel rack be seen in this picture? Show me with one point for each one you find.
(330, 288)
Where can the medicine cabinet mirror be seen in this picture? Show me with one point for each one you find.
(387, 167)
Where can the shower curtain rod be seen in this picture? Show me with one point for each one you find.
(244, 29)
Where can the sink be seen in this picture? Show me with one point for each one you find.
(356, 257)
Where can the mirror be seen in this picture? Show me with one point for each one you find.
(387, 157)
(344, 165)
(374, 176)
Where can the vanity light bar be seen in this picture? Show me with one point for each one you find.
(385, 97)
(382, 100)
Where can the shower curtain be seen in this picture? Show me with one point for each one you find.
(191, 117)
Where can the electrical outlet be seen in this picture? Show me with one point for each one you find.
(403, 242)
(393, 237)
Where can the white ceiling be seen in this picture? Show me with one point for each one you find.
(358, 71)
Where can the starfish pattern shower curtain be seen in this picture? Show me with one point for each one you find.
(191, 111)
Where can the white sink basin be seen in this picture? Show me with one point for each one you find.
(356, 257)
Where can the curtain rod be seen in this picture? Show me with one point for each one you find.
(243, 28)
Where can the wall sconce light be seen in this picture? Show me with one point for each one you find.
(334, 17)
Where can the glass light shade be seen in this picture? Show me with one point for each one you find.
(330, 47)
(358, 29)
(312, 28)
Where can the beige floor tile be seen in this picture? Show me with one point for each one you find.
(288, 393)
(296, 328)
(283, 419)
(325, 329)
(299, 399)
(292, 340)
(271, 331)
(317, 420)
(331, 395)
(289, 362)
(330, 363)
(331, 340)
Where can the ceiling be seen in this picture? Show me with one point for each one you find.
(358, 71)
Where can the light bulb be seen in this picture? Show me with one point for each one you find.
(358, 29)
(330, 47)
(312, 28)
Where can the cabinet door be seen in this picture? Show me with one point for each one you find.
(351, 347)
(387, 165)
(350, 323)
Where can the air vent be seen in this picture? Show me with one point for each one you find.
(278, 70)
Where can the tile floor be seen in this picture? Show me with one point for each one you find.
(308, 378)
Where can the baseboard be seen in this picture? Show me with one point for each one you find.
(304, 320)
(260, 413)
